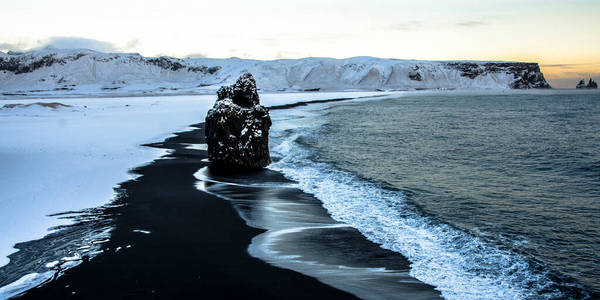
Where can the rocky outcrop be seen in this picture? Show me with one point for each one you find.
(525, 75)
(237, 127)
(415, 75)
(29, 63)
(591, 84)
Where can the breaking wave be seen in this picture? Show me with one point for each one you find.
(459, 264)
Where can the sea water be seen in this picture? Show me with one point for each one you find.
(489, 196)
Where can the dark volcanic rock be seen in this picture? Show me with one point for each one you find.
(591, 84)
(237, 127)
(526, 75)
(244, 91)
(415, 75)
(225, 92)
(167, 63)
(466, 69)
(28, 64)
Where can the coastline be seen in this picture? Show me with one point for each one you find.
(79, 173)
(8, 96)
(135, 174)
(302, 236)
(171, 240)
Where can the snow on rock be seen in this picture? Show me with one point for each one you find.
(85, 72)
(52, 105)
(237, 127)
(244, 90)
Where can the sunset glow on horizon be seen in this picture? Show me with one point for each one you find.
(560, 35)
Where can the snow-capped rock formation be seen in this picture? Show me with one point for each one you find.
(80, 71)
(237, 127)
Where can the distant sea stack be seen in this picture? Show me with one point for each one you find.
(237, 127)
(591, 84)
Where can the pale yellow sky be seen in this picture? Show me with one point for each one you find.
(561, 35)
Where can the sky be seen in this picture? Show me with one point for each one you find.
(562, 36)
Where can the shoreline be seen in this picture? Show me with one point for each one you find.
(296, 102)
(9, 96)
(109, 134)
(301, 235)
(171, 240)
(158, 145)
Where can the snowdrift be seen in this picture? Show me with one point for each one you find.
(85, 72)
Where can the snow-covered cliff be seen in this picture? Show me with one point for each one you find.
(80, 71)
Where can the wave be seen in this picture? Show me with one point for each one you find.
(301, 236)
(459, 264)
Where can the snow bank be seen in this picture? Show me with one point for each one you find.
(69, 158)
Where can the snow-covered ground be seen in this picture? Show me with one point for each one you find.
(70, 158)
(79, 72)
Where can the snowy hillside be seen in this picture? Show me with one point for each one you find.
(85, 72)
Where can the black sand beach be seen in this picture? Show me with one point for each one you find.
(196, 248)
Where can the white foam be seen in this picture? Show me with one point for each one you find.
(23, 284)
(283, 218)
(52, 264)
(203, 176)
(196, 146)
(459, 265)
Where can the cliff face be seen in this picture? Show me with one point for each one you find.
(526, 75)
(89, 72)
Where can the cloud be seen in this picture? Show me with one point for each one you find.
(419, 25)
(327, 37)
(237, 53)
(558, 66)
(77, 42)
(196, 55)
(12, 47)
(70, 43)
(406, 26)
(131, 44)
(471, 24)
(566, 66)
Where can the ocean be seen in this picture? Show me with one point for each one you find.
(488, 196)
